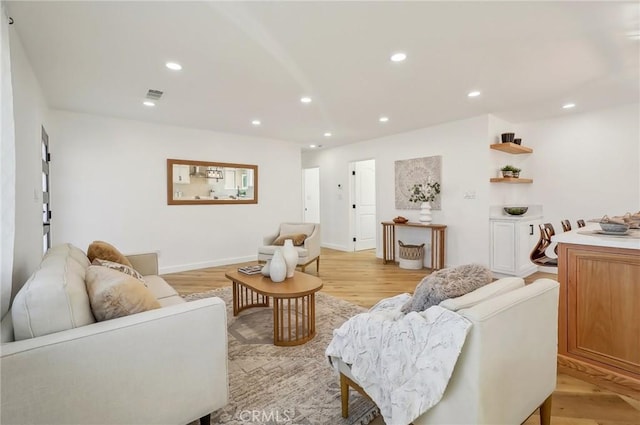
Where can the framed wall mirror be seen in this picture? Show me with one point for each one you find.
(199, 182)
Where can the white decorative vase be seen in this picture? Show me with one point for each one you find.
(266, 268)
(425, 213)
(290, 257)
(278, 267)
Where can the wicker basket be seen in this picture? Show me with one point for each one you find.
(411, 256)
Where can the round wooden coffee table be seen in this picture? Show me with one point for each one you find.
(294, 303)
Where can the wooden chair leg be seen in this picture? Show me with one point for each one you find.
(302, 267)
(344, 395)
(318, 265)
(545, 412)
(205, 420)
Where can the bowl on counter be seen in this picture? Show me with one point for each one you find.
(515, 210)
(614, 227)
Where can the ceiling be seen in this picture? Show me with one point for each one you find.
(254, 60)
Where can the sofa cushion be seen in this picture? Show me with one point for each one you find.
(106, 251)
(114, 294)
(120, 267)
(295, 228)
(54, 298)
(297, 239)
(159, 288)
(491, 290)
(447, 283)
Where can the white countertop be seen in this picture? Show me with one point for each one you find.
(587, 236)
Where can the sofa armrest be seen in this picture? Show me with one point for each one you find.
(167, 365)
(146, 264)
(269, 239)
(312, 242)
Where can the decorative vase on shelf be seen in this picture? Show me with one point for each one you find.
(290, 257)
(265, 269)
(278, 267)
(425, 213)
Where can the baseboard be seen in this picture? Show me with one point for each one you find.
(336, 247)
(545, 269)
(205, 264)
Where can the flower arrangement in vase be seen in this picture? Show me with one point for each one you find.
(424, 193)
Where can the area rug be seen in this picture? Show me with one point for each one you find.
(285, 385)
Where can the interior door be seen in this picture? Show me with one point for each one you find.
(364, 205)
(311, 177)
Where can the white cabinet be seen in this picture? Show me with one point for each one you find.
(181, 174)
(511, 243)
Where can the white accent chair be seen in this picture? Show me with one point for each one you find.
(507, 367)
(307, 253)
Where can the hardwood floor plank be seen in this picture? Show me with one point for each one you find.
(363, 279)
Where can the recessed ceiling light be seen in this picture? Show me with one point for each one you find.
(256, 122)
(174, 66)
(383, 119)
(315, 146)
(398, 57)
(148, 103)
(305, 99)
(569, 106)
(473, 94)
(327, 134)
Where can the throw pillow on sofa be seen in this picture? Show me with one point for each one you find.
(114, 294)
(119, 267)
(106, 251)
(297, 239)
(447, 283)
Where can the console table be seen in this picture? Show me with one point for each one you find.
(437, 241)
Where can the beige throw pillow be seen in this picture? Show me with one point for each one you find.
(106, 251)
(114, 294)
(120, 267)
(298, 239)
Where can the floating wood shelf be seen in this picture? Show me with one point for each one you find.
(510, 180)
(511, 148)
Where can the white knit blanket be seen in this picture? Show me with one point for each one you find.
(403, 362)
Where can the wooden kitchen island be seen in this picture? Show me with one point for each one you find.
(599, 309)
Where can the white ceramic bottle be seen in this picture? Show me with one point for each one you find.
(265, 269)
(290, 257)
(278, 267)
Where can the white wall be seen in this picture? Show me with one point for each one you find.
(586, 165)
(30, 113)
(463, 146)
(109, 182)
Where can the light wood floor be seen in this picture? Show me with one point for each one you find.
(362, 279)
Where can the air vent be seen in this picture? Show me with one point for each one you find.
(154, 94)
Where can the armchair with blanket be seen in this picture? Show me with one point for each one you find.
(507, 366)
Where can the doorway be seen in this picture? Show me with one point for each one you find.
(363, 204)
(311, 204)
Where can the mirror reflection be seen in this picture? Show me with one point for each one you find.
(197, 182)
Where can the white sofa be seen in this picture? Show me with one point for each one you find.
(308, 252)
(162, 366)
(507, 367)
